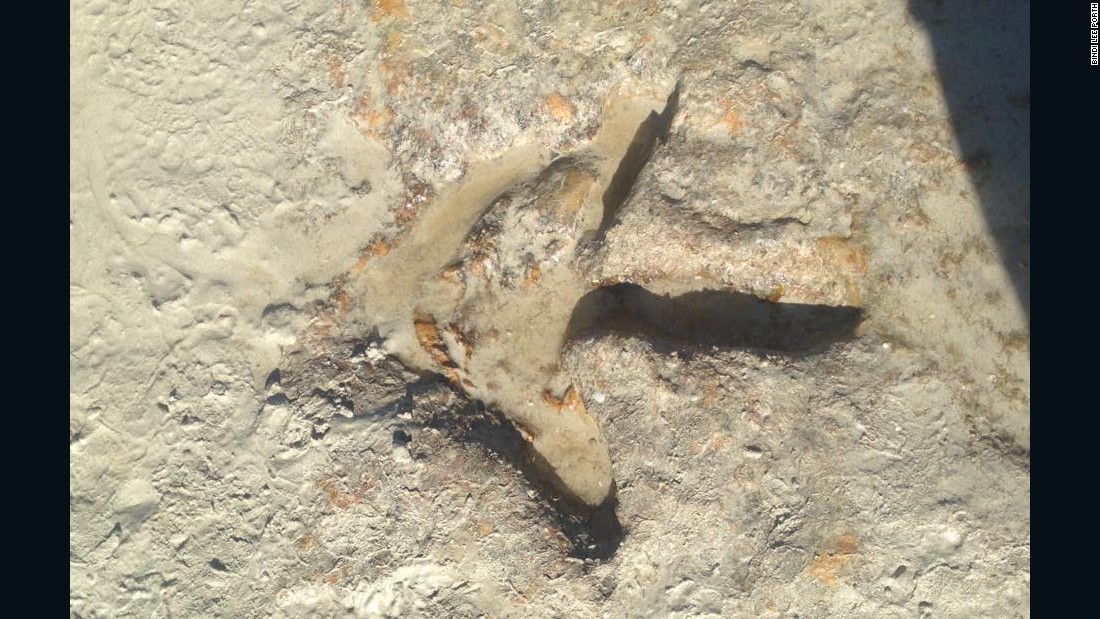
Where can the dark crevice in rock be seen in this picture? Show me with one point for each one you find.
(711, 318)
(732, 227)
(593, 533)
(655, 127)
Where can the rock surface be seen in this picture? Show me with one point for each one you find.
(787, 303)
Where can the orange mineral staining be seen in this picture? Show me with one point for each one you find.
(559, 107)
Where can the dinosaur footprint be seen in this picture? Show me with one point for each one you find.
(501, 289)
